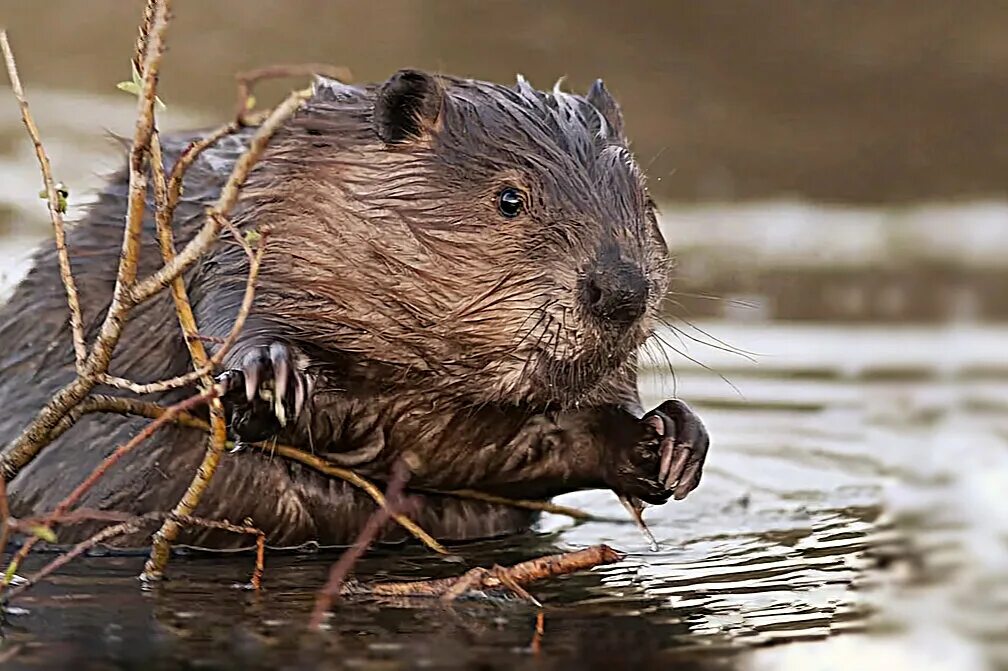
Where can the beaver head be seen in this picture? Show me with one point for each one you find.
(497, 241)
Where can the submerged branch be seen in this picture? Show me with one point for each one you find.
(131, 524)
(369, 533)
(497, 577)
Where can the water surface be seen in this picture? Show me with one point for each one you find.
(852, 514)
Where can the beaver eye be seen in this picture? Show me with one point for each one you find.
(510, 202)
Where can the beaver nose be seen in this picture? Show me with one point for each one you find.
(616, 292)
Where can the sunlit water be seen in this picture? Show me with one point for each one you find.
(852, 514)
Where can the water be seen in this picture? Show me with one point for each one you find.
(851, 513)
(851, 516)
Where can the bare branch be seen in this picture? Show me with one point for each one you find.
(228, 197)
(153, 410)
(218, 429)
(134, 523)
(527, 504)
(55, 210)
(368, 534)
(247, 80)
(166, 417)
(36, 435)
(169, 531)
(497, 577)
(105, 534)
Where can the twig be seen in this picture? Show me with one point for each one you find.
(133, 524)
(228, 197)
(170, 528)
(36, 435)
(218, 436)
(167, 417)
(493, 579)
(225, 343)
(358, 481)
(55, 210)
(528, 504)
(378, 519)
(247, 80)
(153, 410)
(189, 520)
(77, 550)
(535, 647)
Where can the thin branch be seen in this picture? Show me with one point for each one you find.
(55, 209)
(170, 529)
(188, 520)
(527, 504)
(36, 435)
(126, 406)
(166, 417)
(189, 156)
(228, 197)
(153, 410)
(378, 519)
(247, 80)
(535, 646)
(133, 524)
(496, 578)
(225, 343)
(77, 550)
(635, 507)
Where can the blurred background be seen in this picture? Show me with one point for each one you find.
(833, 178)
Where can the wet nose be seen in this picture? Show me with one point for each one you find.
(616, 292)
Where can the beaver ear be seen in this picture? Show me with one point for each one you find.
(406, 105)
(602, 100)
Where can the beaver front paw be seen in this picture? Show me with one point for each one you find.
(667, 459)
(267, 391)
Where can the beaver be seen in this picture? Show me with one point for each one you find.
(457, 270)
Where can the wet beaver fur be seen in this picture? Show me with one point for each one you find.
(456, 269)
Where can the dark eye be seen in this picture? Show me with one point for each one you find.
(510, 202)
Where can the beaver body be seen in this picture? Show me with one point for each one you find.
(457, 270)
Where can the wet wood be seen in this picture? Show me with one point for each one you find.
(511, 578)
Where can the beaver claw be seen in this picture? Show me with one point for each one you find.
(667, 461)
(266, 392)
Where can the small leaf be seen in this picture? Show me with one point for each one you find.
(253, 236)
(135, 86)
(43, 533)
(62, 193)
(129, 87)
(9, 574)
(250, 103)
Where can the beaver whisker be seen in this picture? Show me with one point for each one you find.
(542, 310)
(717, 343)
(707, 368)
